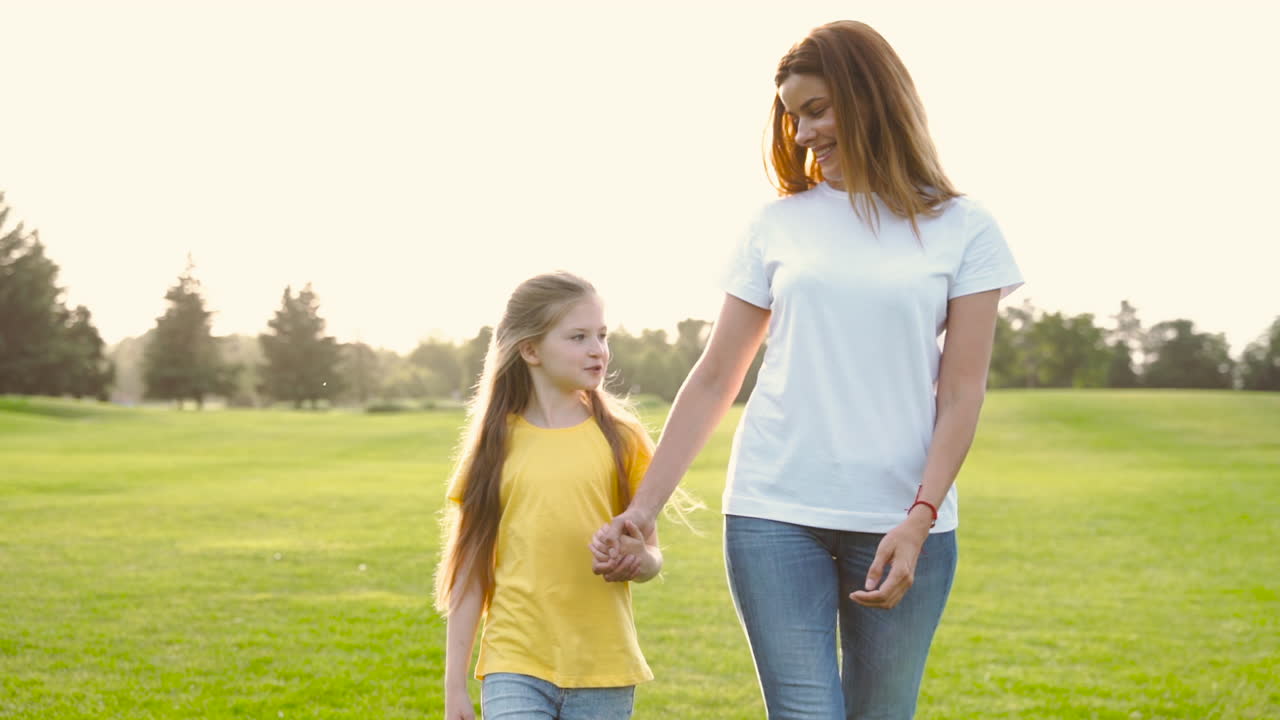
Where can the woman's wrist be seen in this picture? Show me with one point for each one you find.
(921, 516)
(644, 515)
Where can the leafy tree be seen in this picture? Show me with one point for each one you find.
(653, 372)
(182, 362)
(1015, 359)
(1071, 351)
(1180, 357)
(1260, 362)
(441, 362)
(1127, 339)
(401, 379)
(624, 359)
(243, 357)
(300, 360)
(691, 338)
(361, 372)
(471, 358)
(1120, 368)
(1036, 349)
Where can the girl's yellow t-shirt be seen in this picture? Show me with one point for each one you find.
(551, 617)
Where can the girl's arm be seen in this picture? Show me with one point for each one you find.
(464, 618)
(703, 399)
(962, 382)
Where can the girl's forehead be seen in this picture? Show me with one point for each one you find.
(585, 312)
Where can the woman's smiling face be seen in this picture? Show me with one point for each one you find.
(807, 100)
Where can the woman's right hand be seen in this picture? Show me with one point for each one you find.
(457, 705)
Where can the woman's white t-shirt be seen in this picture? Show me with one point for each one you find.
(837, 429)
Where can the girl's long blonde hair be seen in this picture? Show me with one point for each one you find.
(504, 389)
(883, 141)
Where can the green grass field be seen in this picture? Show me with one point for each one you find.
(1119, 559)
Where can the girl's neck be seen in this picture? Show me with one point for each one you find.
(556, 409)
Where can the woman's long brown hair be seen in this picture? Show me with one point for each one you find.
(883, 141)
(504, 390)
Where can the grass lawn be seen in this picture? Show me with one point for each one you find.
(1118, 560)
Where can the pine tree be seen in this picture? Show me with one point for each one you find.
(301, 362)
(182, 359)
(86, 371)
(45, 348)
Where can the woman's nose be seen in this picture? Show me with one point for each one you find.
(804, 133)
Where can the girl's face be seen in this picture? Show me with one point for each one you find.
(574, 354)
(807, 100)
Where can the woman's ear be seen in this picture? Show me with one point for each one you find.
(529, 352)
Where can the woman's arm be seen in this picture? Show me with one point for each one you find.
(962, 383)
(460, 638)
(703, 399)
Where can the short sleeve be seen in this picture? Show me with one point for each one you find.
(744, 273)
(456, 486)
(638, 463)
(987, 263)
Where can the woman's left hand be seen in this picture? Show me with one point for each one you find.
(899, 549)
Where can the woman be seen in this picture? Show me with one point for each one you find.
(840, 508)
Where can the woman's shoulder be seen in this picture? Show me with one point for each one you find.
(964, 213)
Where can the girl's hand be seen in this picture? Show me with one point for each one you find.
(621, 559)
(457, 705)
(899, 549)
(617, 527)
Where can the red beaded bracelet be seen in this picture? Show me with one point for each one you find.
(932, 508)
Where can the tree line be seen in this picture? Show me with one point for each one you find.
(47, 348)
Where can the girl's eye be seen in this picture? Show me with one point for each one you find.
(579, 336)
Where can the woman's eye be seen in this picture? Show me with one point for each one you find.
(579, 336)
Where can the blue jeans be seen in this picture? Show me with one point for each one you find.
(508, 696)
(791, 587)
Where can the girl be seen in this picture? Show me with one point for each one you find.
(548, 456)
(840, 509)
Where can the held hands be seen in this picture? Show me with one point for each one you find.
(622, 556)
(899, 549)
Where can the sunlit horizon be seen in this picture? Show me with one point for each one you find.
(415, 163)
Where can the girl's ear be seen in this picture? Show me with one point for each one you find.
(529, 353)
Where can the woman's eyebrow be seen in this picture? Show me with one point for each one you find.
(807, 105)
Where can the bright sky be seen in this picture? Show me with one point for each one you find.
(416, 161)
